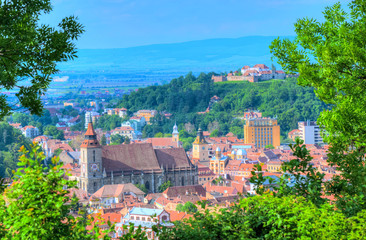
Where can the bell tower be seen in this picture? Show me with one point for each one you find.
(175, 134)
(90, 162)
(200, 149)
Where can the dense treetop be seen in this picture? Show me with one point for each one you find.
(185, 96)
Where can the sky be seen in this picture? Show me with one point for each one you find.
(128, 23)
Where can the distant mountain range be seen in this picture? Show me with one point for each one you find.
(217, 55)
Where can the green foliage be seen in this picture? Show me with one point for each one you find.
(11, 139)
(299, 177)
(103, 140)
(29, 51)
(52, 131)
(117, 139)
(142, 187)
(57, 152)
(329, 56)
(184, 97)
(109, 122)
(188, 207)
(268, 217)
(159, 135)
(270, 146)
(70, 111)
(36, 203)
(215, 133)
(164, 186)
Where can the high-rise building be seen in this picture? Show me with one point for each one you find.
(262, 132)
(310, 132)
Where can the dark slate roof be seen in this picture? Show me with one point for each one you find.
(172, 192)
(142, 156)
(172, 157)
(270, 155)
(127, 157)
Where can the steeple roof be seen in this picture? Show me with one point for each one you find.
(90, 131)
(200, 138)
(90, 139)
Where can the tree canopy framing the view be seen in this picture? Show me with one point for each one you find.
(30, 50)
(331, 57)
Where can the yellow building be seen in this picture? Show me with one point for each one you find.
(200, 149)
(147, 114)
(274, 166)
(262, 132)
(68, 104)
(218, 163)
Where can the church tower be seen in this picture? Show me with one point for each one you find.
(200, 149)
(90, 162)
(175, 134)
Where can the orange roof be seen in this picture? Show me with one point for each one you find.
(90, 131)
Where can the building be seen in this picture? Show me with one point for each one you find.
(310, 132)
(218, 162)
(30, 131)
(262, 132)
(296, 133)
(144, 217)
(124, 131)
(91, 116)
(147, 114)
(200, 151)
(132, 163)
(262, 72)
(167, 142)
(110, 194)
(252, 114)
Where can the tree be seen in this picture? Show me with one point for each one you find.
(142, 187)
(117, 139)
(103, 140)
(36, 203)
(29, 51)
(188, 207)
(159, 135)
(270, 146)
(329, 56)
(164, 186)
(52, 131)
(127, 140)
(215, 133)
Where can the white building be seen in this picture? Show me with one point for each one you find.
(90, 116)
(310, 132)
(30, 131)
(125, 131)
(144, 217)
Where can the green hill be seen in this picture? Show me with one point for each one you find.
(185, 96)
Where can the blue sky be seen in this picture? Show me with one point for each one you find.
(127, 23)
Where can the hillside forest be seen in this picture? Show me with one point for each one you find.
(185, 96)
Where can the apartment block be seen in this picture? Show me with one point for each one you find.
(262, 132)
(310, 132)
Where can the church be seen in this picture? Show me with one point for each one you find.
(136, 163)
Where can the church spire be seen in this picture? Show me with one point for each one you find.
(90, 137)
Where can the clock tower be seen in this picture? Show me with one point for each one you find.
(200, 149)
(90, 162)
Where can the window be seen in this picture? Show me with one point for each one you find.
(137, 218)
(132, 218)
(94, 155)
(143, 219)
